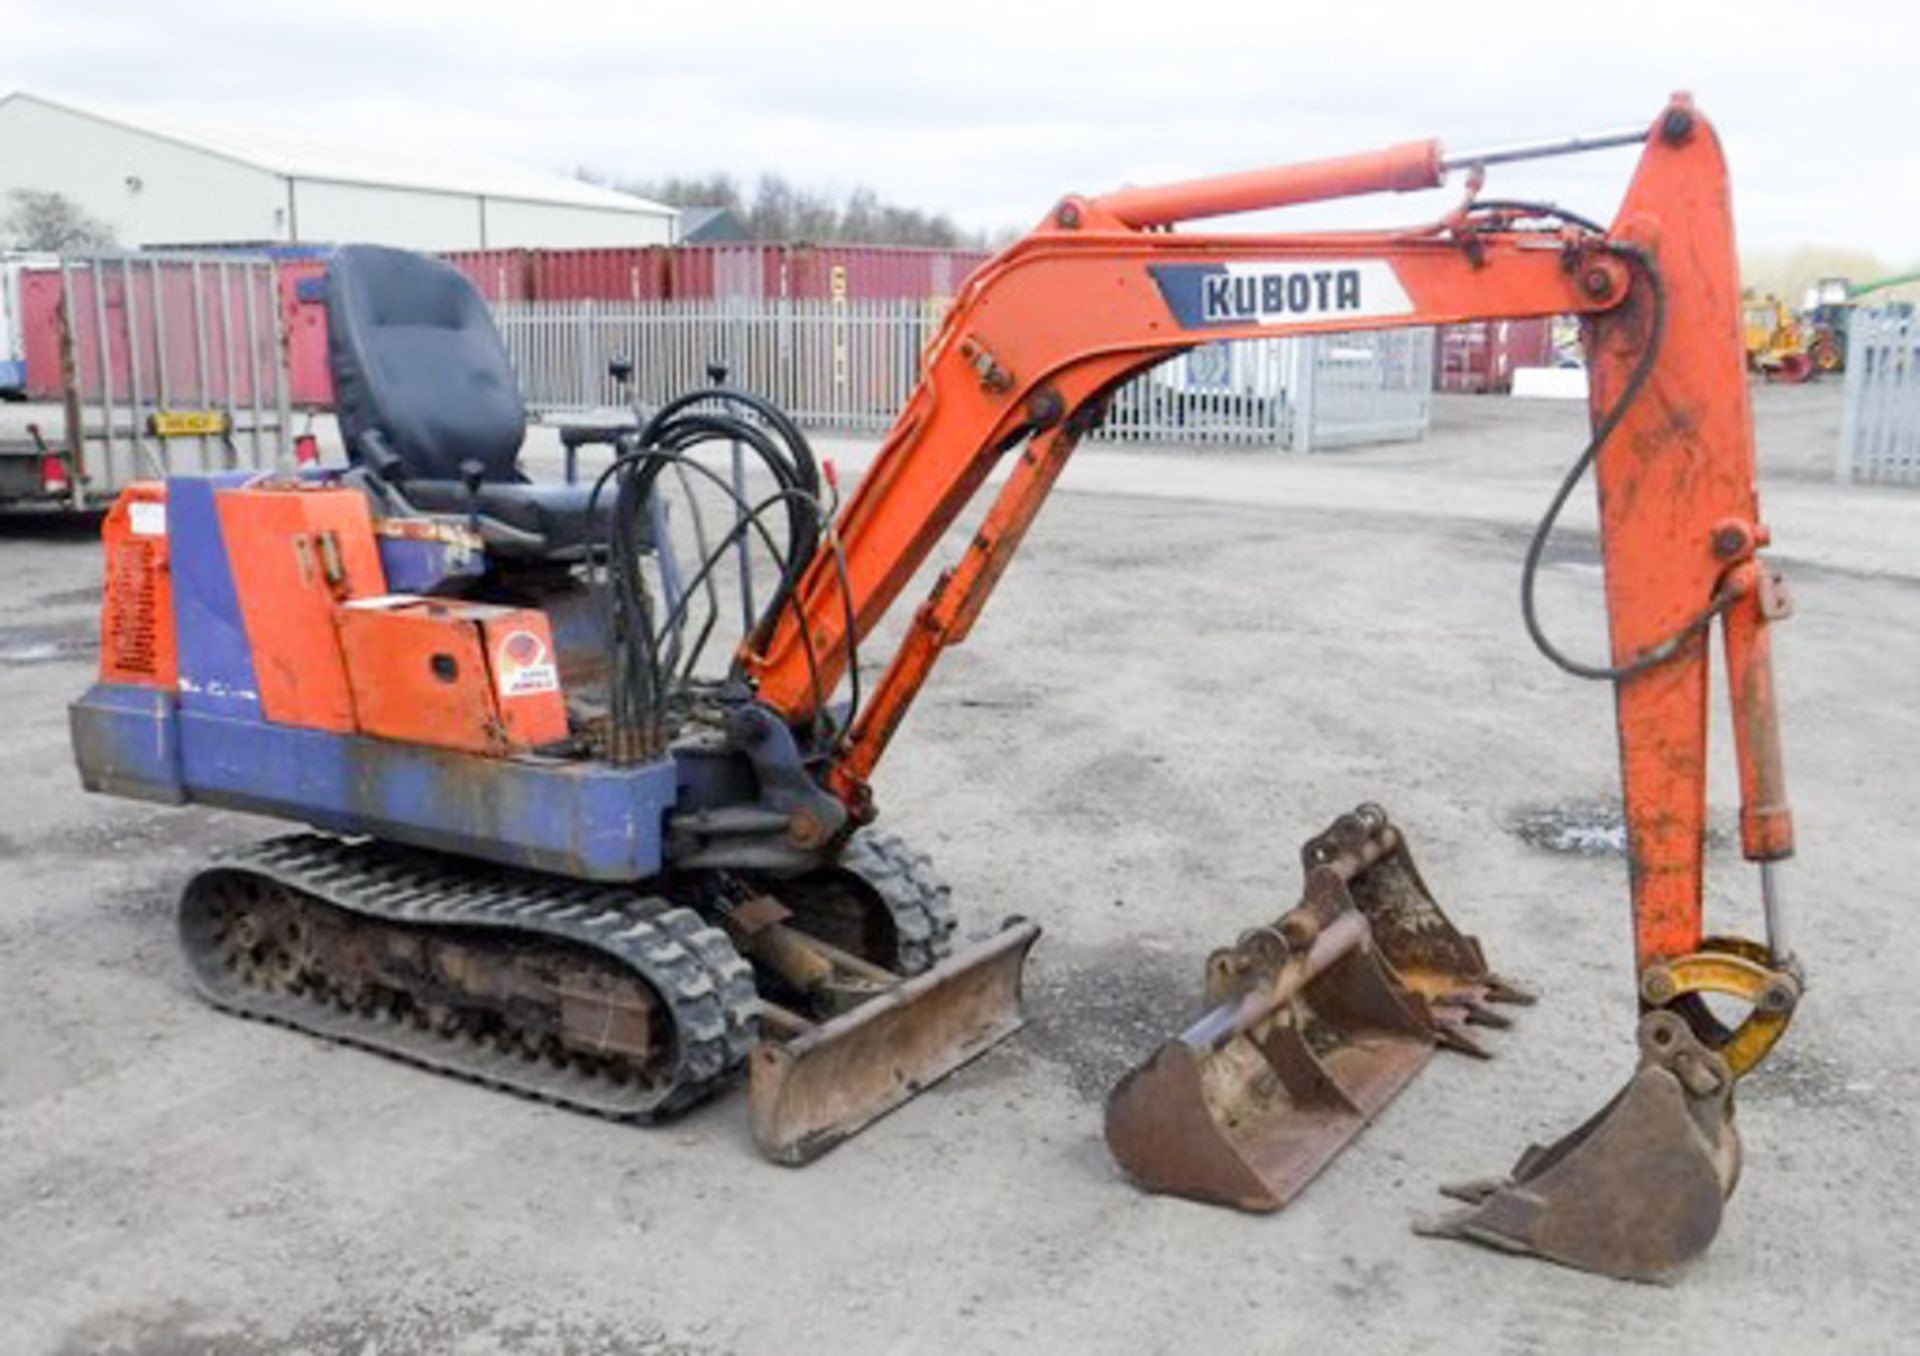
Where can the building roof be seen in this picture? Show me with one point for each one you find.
(293, 155)
(712, 225)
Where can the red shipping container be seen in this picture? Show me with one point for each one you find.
(40, 331)
(500, 275)
(160, 312)
(1479, 356)
(876, 272)
(731, 272)
(748, 271)
(620, 273)
(303, 302)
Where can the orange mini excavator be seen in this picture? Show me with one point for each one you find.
(551, 850)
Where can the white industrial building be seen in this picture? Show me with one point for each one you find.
(155, 182)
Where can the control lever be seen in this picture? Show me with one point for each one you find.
(472, 475)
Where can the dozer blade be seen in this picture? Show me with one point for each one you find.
(1636, 1191)
(1312, 1029)
(808, 1093)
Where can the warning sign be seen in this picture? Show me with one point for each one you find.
(523, 666)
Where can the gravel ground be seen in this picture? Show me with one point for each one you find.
(1166, 696)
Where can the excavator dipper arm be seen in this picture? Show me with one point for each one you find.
(1103, 289)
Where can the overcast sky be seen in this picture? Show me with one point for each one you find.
(989, 111)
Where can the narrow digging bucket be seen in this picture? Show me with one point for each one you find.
(1440, 966)
(1639, 1189)
(1311, 1030)
(807, 1094)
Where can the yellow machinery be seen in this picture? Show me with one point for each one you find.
(1777, 346)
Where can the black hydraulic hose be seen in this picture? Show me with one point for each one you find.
(751, 517)
(1644, 265)
(699, 645)
(691, 428)
(1537, 209)
(806, 468)
(637, 469)
(637, 679)
(687, 431)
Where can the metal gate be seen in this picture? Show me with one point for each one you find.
(169, 364)
(1880, 426)
(1371, 387)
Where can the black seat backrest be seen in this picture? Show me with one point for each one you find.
(416, 359)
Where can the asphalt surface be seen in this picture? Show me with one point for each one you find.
(1197, 660)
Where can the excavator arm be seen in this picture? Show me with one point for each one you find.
(1104, 289)
(1044, 332)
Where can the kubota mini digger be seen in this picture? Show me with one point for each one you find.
(551, 856)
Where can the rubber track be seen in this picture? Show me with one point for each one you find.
(706, 985)
(920, 903)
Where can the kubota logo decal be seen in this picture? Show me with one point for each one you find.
(522, 667)
(1213, 296)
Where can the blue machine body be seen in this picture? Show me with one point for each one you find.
(208, 742)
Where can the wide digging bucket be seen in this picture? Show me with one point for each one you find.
(808, 1093)
(1311, 1030)
(1637, 1190)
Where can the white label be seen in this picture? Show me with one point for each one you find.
(146, 518)
(522, 666)
(1280, 293)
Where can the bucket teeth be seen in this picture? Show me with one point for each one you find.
(1635, 1192)
(1455, 1037)
(1314, 1023)
(1479, 1014)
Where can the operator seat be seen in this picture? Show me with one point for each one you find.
(429, 405)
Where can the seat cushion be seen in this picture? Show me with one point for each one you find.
(555, 513)
(415, 358)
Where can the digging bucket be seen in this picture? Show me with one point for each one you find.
(1635, 1192)
(1639, 1189)
(808, 1093)
(1312, 1026)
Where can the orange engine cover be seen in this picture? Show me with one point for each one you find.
(453, 674)
(136, 604)
(295, 551)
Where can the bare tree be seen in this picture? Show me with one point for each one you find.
(779, 211)
(42, 220)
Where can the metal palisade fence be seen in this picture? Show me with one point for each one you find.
(1880, 426)
(850, 366)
